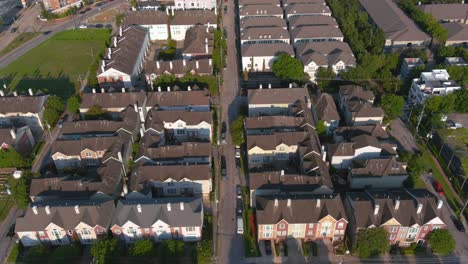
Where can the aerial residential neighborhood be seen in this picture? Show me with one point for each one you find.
(233, 131)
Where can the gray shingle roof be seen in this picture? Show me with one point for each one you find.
(278, 96)
(446, 11)
(194, 17)
(22, 104)
(266, 50)
(178, 98)
(312, 9)
(185, 149)
(75, 147)
(156, 118)
(260, 10)
(273, 121)
(270, 142)
(259, 33)
(456, 31)
(146, 17)
(262, 22)
(298, 21)
(377, 168)
(326, 109)
(325, 53)
(310, 32)
(196, 40)
(178, 68)
(112, 100)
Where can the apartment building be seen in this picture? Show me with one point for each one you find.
(435, 83)
(23, 110)
(157, 22)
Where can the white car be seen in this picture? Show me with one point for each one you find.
(237, 152)
(83, 26)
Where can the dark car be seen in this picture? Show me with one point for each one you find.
(108, 26)
(458, 224)
(11, 231)
(239, 206)
(223, 166)
(223, 133)
(13, 30)
(225, 32)
(99, 26)
(268, 247)
(239, 191)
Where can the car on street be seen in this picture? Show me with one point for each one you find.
(108, 26)
(13, 30)
(239, 206)
(458, 224)
(223, 166)
(239, 191)
(83, 26)
(237, 152)
(99, 26)
(223, 133)
(268, 247)
(438, 187)
(240, 225)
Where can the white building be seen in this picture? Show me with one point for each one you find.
(183, 20)
(432, 83)
(260, 57)
(155, 21)
(195, 4)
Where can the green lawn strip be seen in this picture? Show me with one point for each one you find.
(14, 254)
(18, 41)
(57, 65)
(5, 206)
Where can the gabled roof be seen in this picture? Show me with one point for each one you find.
(259, 2)
(446, 11)
(456, 31)
(277, 95)
(355, 92)
(291, 2)
(197, 39)
(291, 182)
(326, 109)
(270, 142)
(260, 10)
(6, 137)
(156, 118)
(184, 149)
(348, 148)
(143, 175)
(63, 214)
(267, 122)
(378, 168)
(146, 17)
(262, 22)
(307, 9)
(372, 130)
(311, 32)
(75, 147)
(153, 210)
(298, 21)
(194, 17)
(178, 98)
(201, 66)
(266, 50)
(22, 104)
(325, 53)
(363, 109)
(262, 33)
(302, 209)
(112, 100)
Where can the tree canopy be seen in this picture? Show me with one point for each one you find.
(104, 250)
(441, 241)
(288, 68)
(393, 106)
(371, 242)
(237, 131)
(65, 254)
(321, 128)
(73, 104)
(96, 112)
(141, 248)
(20, 191)
(53, 109)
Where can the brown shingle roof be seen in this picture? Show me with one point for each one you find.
(303, 209)
(270, 142)
(125, 55)
(325, 53)
(278, 96)
(112, 100)
(194, 17)
(378, 167)
(260, 10)
(178, 68)
(22, 104)
(446, 11)
(250, 50)
(146, 17)
(197, 39)
(75, 147)
(456, 31)
(63, 214)
(262, 22)
(391, 19)
(274, 179)
(178, 98)
(309, 32)
(273, 121)
(312, 9)
(326, 109)
(363, 109)
(355, 92)
(259, 2)
(184, 149)
(5, 136)
(144, 174)
(257, 33)
(298, 21)
(348, 148)
(291, 2)
(156, 119)
(372, 130)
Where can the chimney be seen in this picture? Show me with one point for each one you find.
(159, 88)
(420, 207)
(109, 52)
(172, 11)
(290, 85)
(30, 91)
(207, 31)
(181, 206)
(439, 204)
(260, 86)
(2, 93)
(197, 65)
(115, 42)
(94, 90)
(168, 89)
(103, 90)
(376, 209)
(282, 172)
(142, 132)
(125, 189)
(15, 93)
(139, 208)
(183, 62)
(318, 203)
(157, 64)
(168, 207)
(123, 89)
(13, 133)
(170, 65)
(119, 156)
(269, 86)
(206, 48)
(4, 86)
(120, 31)
(210, 61)
(77, 209)
(103, 69)
(135, 107)
(288, 203)
(34, 208)
(397, 204)
(189, 88)
(167, 11)
(276, 202)
(47, 209)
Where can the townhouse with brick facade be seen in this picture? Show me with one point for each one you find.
(64, 222)
(306, 217)
(408, 215)
(158, 219)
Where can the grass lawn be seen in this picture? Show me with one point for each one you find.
(6, 204)
(18, 41)
(56, 65)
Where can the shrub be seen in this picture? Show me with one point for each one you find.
(441, 241)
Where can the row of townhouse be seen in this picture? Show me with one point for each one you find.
(165, 192)
(300, 28)
(65, 222)
(176, 5)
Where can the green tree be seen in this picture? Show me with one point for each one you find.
(96, 112)
(53, 109)
(104, 250)
(321, 128)
(142, 248)
(73, 104)
(237, 131)
(37, 254)
(441, 241)
(288, 68)
(371, 242)
(1, 21)
(393, 106)
(324, 77)
(134, 3)
(65, 254)
(461, 97)
(56, 103)
(20, 191)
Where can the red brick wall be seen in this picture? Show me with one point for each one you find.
(284, 229)
(313, 229)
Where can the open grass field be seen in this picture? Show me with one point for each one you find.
(57, 65)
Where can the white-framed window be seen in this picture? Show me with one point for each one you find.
(326, 226)
(340, 225)
(267, 234)
(267, 227)
(88, 154)
(310, 233)
(281, 148)
(435, 227)
(282, 226)
(311, 225)
(393, 229)
(117, 231)
(85, 231)
(392, 236)
(190, 229)
(426, 227)
(171, 191)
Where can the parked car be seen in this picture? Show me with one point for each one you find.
(438, 188)
(11, 231)
(13, 30)
(239, 206)
(268, 247)
(238, 152)
(99, 26)
(458, 224)
(223, 132)
(240, 225)
(83, 26)
(223, 166)
(239, 191)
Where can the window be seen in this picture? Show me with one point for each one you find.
(267, 234)
(392, 236)
(426, 227)
(340, 225)
(326, 228)
(170, 184)
(171, 191)
(281, 149)
(282, 226)
(310, 233)
(85, 231)
(436, 227)
(117, 231)
(88, 154)
(311, 226)
(190, 229)
(180, 132)
(393, 229)
(267, 227)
